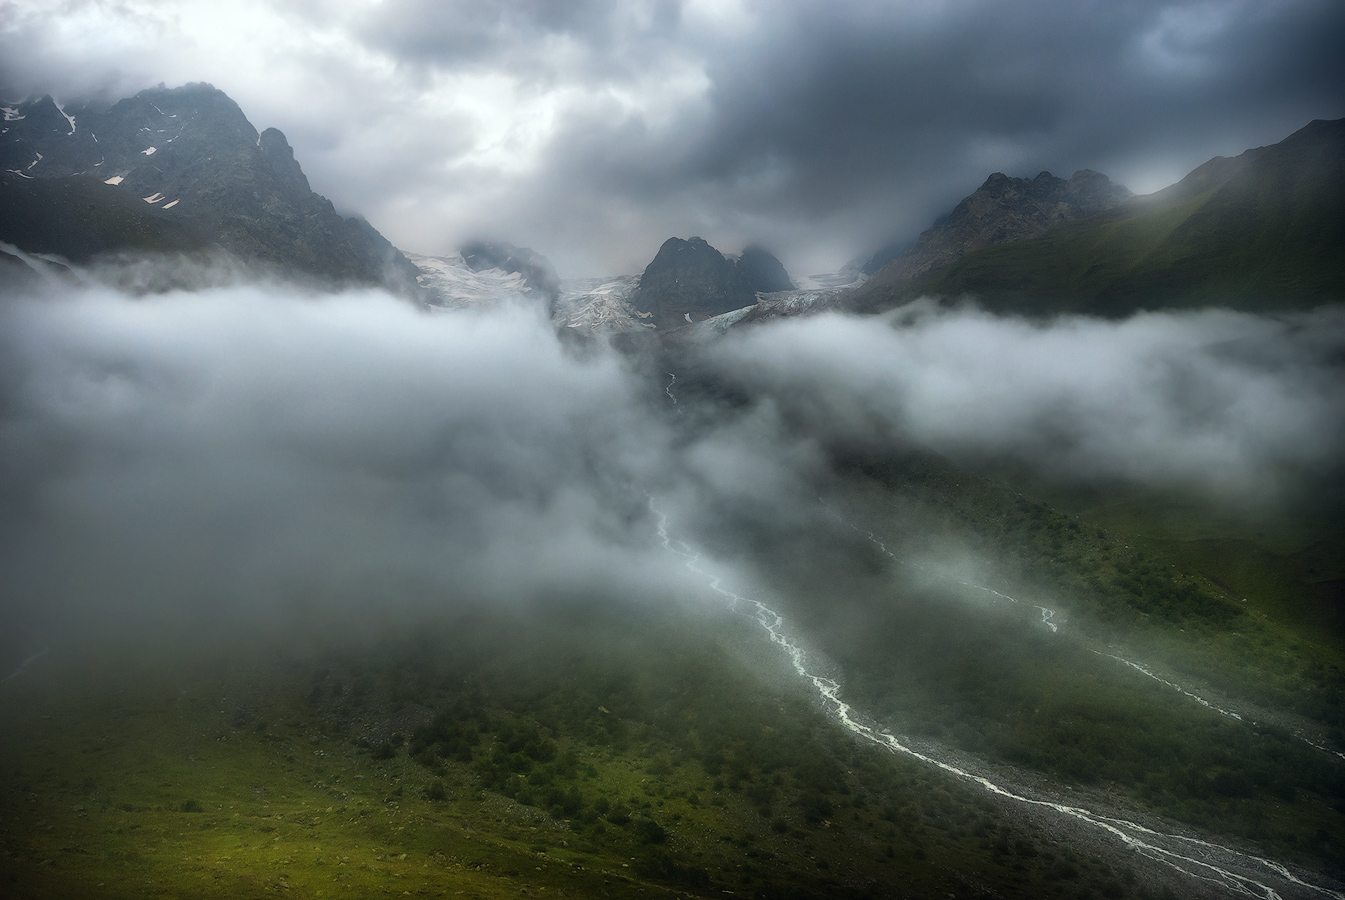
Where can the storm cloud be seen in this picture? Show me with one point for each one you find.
(592, 131)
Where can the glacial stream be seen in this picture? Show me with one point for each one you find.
(25, 664)
(1222, 867)
(1047, 616)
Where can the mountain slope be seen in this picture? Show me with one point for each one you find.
(1000, 211)
(1263, 231)
(203, 175)
(79, 217)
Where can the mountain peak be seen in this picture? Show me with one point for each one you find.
(1002, 210)
(1260, 231)
(689, 280)
(280, 156)
(186, 160)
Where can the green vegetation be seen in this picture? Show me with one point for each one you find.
(601, 748)
(1115, 588)
(932, 657)
(586, 751)
(1263, 231)
(1288, 571)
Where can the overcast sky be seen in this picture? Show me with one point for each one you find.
(591, 130)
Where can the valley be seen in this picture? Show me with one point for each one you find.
(1005, 565)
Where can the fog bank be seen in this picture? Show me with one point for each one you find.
(250, 451)
(265, 456)
(1247, 409)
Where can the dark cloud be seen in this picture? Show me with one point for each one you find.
(605, 37)
(594, 130)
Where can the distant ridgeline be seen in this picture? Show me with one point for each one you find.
(172, 170)
(689, 281)
(1000, 211)
(1262, 231)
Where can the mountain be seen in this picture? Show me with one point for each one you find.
(1001, 211)
(174, 169)
(539, 276)
(1264, 231)
(690, 281)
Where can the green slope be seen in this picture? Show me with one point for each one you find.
(1264, 231)
(584, 752)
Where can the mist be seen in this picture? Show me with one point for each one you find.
(261, 455)
(1244, 410)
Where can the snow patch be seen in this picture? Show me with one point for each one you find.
(68, 118)
(11, 114)
(115, 179)
(150, 151)
(155, 197)
(171, 205)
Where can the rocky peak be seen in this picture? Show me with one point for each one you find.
(1002, 210)
(689, 280)
(762, 272)
(278, 153)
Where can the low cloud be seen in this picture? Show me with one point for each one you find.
(1242, 407)
(223, 455)
(265, 456)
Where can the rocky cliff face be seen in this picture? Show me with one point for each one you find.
(197, 165)
(689, 281)
(1000, 211)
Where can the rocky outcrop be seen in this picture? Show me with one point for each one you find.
(190, 156)
(1001, 211)
(689, 281)
(761, 271)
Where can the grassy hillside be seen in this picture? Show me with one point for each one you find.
(584, 752)
(1264, 231)
(923, 646)
(623, 749)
